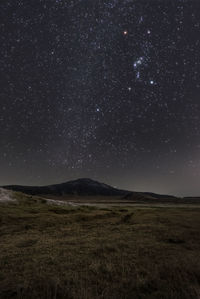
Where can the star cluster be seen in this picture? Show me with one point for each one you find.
(101, 89)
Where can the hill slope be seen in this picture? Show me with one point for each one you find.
(5, 196)
(148, 196)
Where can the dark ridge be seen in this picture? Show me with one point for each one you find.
(144, 196)
(76, 187)
(148, 197)
(159, 196)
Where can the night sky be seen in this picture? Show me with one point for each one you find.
(103, 89)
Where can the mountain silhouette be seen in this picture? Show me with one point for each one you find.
(77, 187)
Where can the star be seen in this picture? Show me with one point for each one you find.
(141, 20)
(138, 75)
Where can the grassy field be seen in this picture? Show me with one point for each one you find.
(52, 252)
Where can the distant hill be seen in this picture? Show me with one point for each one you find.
(76, 187)
(149, 197)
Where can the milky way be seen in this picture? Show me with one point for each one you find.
(101, 89)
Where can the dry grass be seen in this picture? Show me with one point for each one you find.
(51, 252)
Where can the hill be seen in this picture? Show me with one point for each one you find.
(77, 187)
(148, 196)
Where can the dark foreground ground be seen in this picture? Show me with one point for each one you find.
(54, 252)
